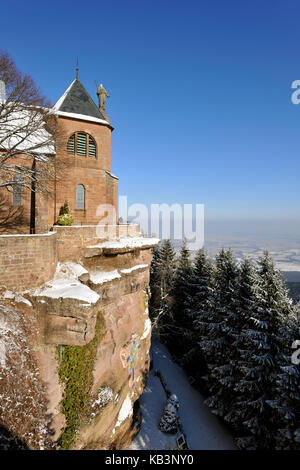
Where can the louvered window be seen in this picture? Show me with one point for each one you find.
(83, 143)
(80, 197)
(92, 147)
(71, 144)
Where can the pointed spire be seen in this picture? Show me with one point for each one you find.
(77, 68)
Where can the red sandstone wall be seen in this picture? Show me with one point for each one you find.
(8, 212)
(92, 173)
(27, 261)
(70, 240)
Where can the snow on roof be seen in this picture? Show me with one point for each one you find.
(62, 98)
(39, 138)
(134, 268)
(82, 117)
(78, 104)
(128, 242)
(111, 174)
(100, 277)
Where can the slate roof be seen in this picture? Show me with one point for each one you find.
(76, 100)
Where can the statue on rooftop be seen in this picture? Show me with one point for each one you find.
(102, 94)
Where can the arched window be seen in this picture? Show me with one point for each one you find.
(92, 147)
(80, 197)
(81, 144)
(17, 191)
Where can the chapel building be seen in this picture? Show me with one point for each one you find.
(84, 180)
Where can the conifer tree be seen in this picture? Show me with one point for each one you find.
(246, 306)
(168, 266)
(220, 333)
(181, 292)
(197, 312)
(155, 284)
(181, 281)
(262, 350)
(287, 402)
(162, 277)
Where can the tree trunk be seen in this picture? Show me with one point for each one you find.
(33, 200)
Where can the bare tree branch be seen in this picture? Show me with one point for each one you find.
(29, 137)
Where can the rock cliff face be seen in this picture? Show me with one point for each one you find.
(89, 349)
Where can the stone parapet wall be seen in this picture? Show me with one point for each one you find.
(72, 239)
(27, 261)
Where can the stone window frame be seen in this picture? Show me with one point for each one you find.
(75, 145)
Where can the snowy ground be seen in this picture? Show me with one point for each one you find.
(203, 430)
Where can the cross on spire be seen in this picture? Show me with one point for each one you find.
(77, 68)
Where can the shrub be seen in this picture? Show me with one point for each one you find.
(65, 218)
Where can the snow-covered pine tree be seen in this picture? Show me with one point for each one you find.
(287, 402)
(162, 277)
(246, 305)
(197, 313)
(261, 353)
(168, 265)
(180, 294)
(155, 283)
(219, 335)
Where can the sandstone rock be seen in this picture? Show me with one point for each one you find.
(66, 311)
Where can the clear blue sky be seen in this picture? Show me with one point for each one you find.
(200, 93)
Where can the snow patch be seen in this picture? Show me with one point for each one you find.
(49, 234)
(128, 242)
(2, 354)
(16, 298)
(67, 290)
(147, 328)
(8, 295)
(65, 285)
(20, 299)
(6, 331)
(125, 411)
(69, 270)
(100, 277)
(134, 268)
(203, 430)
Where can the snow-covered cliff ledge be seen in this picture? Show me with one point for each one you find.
(91, 322)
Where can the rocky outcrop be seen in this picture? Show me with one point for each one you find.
(92, 347)
(24, 420)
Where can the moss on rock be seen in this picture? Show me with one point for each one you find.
(76, 366)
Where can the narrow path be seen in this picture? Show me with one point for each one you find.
(203, 430)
